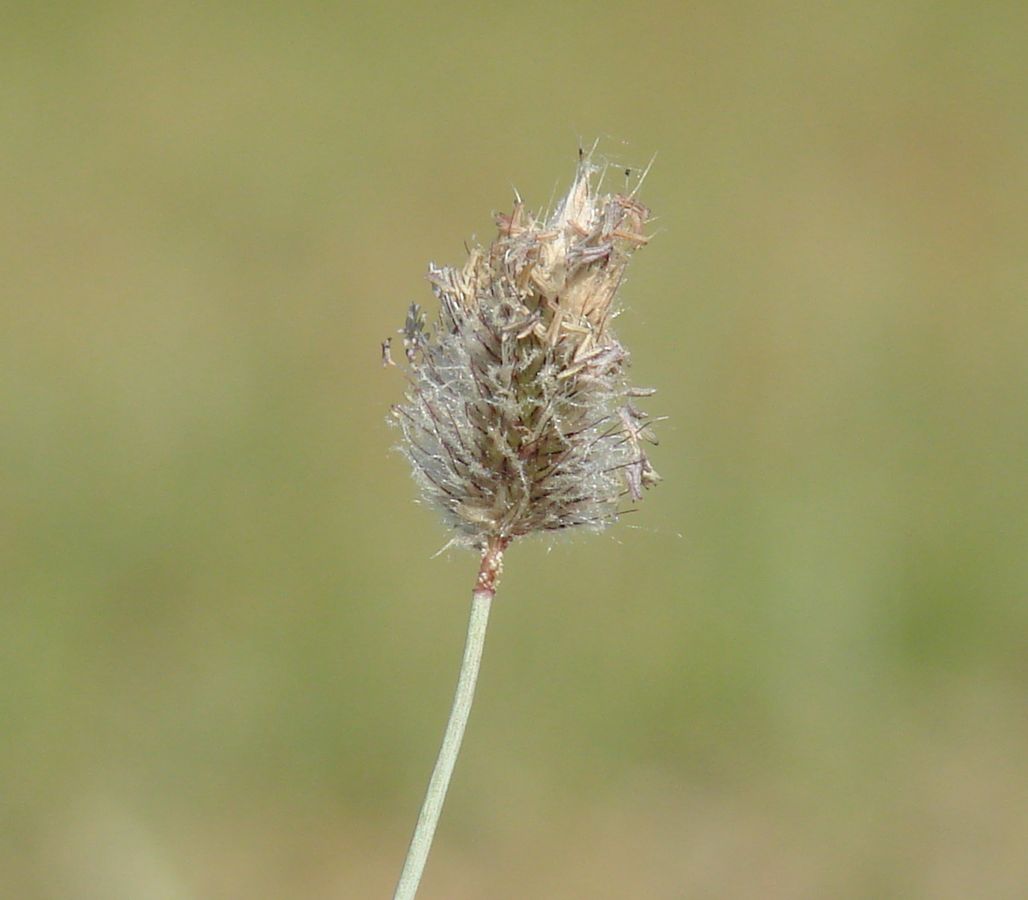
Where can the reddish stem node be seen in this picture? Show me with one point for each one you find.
(492, 566)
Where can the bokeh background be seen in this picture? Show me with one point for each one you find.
(226, 649)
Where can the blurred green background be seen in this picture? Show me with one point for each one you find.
(227, 653)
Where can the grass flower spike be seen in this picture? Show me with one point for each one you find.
(518, 416)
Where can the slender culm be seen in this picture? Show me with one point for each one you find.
(518, 416)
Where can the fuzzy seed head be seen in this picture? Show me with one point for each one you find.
(518, 417)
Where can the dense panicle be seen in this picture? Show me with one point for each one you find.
(518, 417)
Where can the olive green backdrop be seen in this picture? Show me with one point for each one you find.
(226, 649)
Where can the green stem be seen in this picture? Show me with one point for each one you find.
(421, 842)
